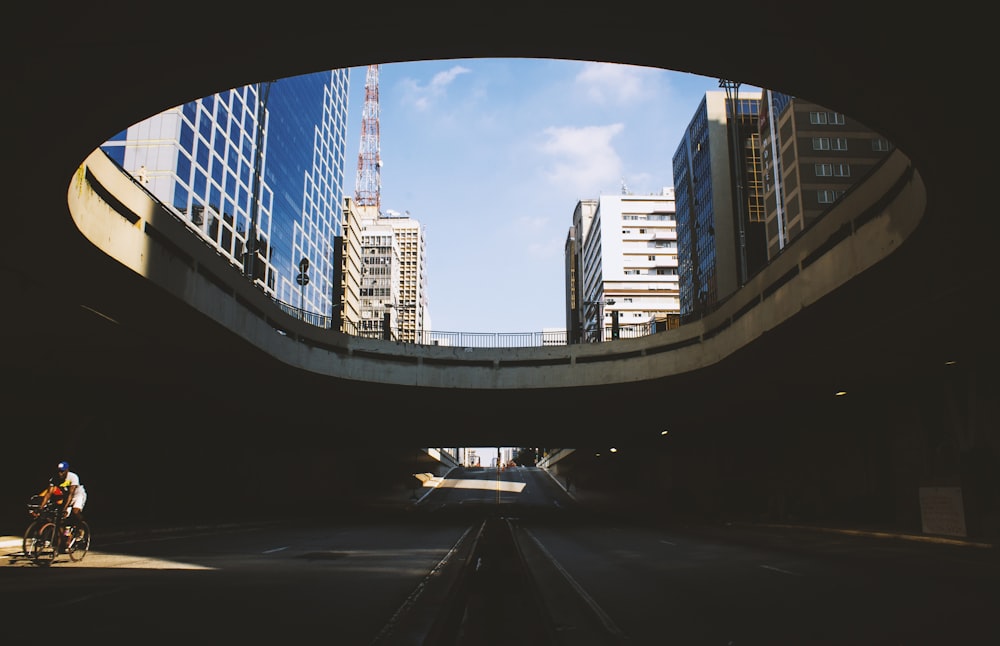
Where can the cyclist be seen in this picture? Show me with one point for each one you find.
(74, 496)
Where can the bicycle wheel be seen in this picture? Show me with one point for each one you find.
(79, 543)
(29, 536)
(44, 544)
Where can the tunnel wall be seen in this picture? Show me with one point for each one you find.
(862, 466)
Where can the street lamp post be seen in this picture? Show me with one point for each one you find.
(600, 316)
(404, 332)
(249, 267)
(733, 96)
(302, 279)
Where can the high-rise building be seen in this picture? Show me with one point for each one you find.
(411, 304)
(350, 270)
(393, 285)
(719, 189)
(811, 157)
(583, 214)
(258, 172)
(623, 253)
(379, 276)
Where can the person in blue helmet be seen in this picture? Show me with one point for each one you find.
(74, 494)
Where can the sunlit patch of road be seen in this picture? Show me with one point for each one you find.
(488, 485)
(96, 559)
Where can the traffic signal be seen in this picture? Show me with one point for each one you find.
(614, 324)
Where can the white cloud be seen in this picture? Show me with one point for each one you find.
(423, 96)
(584, 159)
(613, 83)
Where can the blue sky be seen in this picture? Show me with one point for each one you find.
(491, 156)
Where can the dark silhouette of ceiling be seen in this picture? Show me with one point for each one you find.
(77, 75)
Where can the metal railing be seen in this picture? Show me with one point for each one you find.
(480, 339)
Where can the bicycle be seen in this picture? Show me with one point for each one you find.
(49, 535)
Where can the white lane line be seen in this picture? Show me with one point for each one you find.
(668, 543)
(778, 569)
(276, 549)
(602, 616)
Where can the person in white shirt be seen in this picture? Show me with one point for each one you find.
(74, 493)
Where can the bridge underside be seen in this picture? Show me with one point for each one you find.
(130, 396)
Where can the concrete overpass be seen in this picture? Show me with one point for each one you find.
(117, 321)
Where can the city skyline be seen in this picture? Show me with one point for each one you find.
(491, 156)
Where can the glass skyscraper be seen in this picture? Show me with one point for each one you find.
(709, 242)
(284, 141)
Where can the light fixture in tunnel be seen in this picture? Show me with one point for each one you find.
(840, 393)
(613, 450)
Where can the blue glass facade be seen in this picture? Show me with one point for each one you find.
(200, 158)
(692, 163)
(709, 245)
(306, 147)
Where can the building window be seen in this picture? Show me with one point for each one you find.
(840, 143)
(823, 118)
(821, 143)
(824, 170)
(841, 170)
(651, 257)
(880, 145)
(828, 196)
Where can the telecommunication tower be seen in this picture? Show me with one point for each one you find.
(368, 185)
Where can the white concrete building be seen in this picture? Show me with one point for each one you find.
(379, 276)
(393, 276)
(625, 266)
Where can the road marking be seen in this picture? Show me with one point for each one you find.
(778, 569)
(276, 549)
(668, 543)
(602, 616)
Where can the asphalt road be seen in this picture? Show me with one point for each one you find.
(345, 582)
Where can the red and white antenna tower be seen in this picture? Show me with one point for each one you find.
(368, 185)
